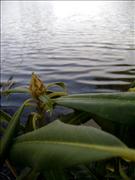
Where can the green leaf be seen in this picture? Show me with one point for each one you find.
(31, 122)
(10, 131)
(4, 116)
(76, 117)
(47, 102)
(115, 107)
(60, 145)
(57, 93)
(16, 90)
(59, 84)
(122, 173)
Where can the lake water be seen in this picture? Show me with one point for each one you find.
(88, 45)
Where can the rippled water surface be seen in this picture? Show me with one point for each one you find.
(88, 45)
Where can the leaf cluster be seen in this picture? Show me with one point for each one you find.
(67, 148)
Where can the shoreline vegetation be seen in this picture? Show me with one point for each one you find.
(67, 149)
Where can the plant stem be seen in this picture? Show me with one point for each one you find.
(12, 169)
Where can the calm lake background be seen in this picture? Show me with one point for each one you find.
(88, 45)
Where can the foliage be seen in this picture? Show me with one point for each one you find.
(65, 147)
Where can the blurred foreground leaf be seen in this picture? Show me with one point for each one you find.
(10, 131)
(60, 145)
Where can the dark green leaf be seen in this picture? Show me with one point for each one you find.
(10, 131)
(62, 145)
(115, 107)
(77, 117)
(4, 116)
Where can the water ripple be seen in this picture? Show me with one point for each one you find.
(91, 52)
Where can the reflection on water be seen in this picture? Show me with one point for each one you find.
(89, 45)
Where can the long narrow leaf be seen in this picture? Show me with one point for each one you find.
(115, 107)
(16, 90)
(59, 84)
(10, 131)
(4, 116)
